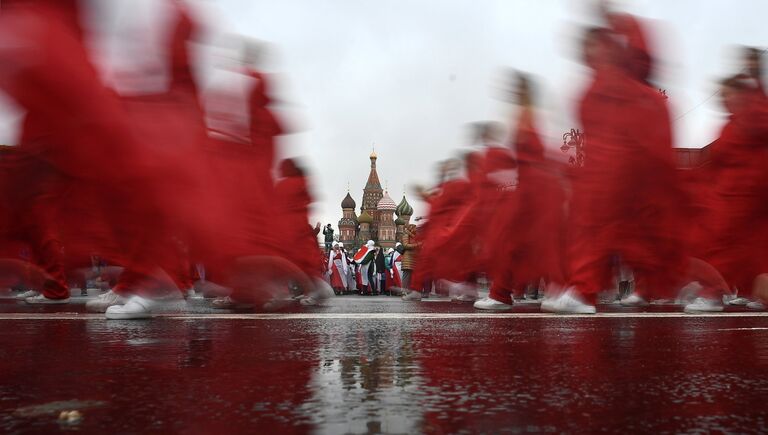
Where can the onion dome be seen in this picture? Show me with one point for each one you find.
(386, 203)
(404, 209)
(399, 221)
(365, 218)
(348, 202)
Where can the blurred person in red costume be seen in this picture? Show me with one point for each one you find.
(531, 242)
(626, 197)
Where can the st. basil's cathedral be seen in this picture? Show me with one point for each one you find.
(380, 219)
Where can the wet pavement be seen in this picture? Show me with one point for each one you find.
(378, 365)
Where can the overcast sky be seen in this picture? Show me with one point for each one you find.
(408, 75)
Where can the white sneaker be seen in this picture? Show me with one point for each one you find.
(756, 305)
(42, 300)
(323, 290)
(223, 303)
(27, 294)
(104, 301)
(634, 300)
(309, 301)
(488, 303)
(139, 307)
(321, 293)
(227, 303)
(412, 295)
(192, 294)
(567, 303)
(735, 300)
(465, 298)
(461, 291)
(704, 305)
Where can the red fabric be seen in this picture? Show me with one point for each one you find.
(638, 53)
(531, 238)
(336, 281)
(464, 219)
(397, 280)
(184, 31)
(625, 197)
(361, 253)
(136, 174)
(32, 188)
(501, 292)
(293, 223)
(444, 212)
(474, 228)
(739, 202)
(359, 278)
(264, 125)
(51, 51)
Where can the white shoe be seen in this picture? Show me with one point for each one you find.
(321, 293)
(412, 295)
(634, 300)
(227, 303)
(139, 307)
(461, 291)
(104, 301)
(488, 303)
(704, 305)
(567, 303)
(323, 290)
(756, 305)
(192, 294)
(465, 298)
(42, 300)
(223, 303)
(309, 301)
(27, 294)
(735, 300)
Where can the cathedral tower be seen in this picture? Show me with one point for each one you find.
(372, 194)
(348, 223)
(386, 224)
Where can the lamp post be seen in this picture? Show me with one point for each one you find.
(574, 139)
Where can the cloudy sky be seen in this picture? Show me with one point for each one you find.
(408, 75)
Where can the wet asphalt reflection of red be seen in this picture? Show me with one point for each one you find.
(437, 368)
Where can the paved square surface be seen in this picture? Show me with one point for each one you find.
(379, 365)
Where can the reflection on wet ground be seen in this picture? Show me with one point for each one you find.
(385, 375)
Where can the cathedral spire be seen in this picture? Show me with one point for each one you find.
(373, 182)
(372, 194)
(373, 156)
